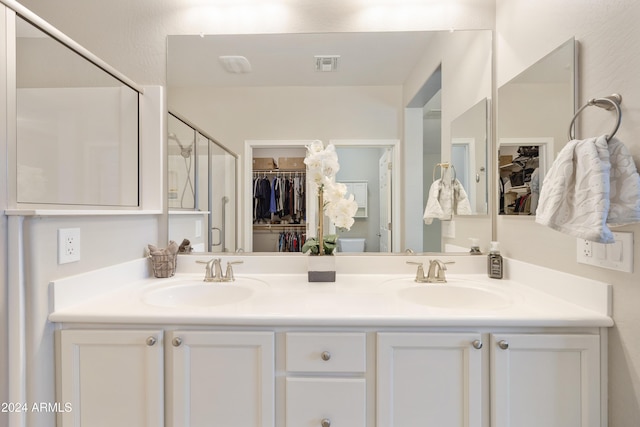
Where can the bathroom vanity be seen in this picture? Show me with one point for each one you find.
(368, 350)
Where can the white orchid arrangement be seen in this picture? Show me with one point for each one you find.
(322, 167)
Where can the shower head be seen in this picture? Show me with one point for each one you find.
(184, 151)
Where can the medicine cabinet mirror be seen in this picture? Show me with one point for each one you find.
(534, 112)
(77, 127)
(281, 96)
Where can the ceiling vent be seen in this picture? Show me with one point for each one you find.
(235, 64)
(327, 63)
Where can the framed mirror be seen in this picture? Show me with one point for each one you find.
(534, 111)
(279, 94)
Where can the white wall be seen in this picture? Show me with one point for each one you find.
(609, 39)
(4, 320)
(291, 112)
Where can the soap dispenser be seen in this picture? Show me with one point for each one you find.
(494, 261)
(475, 247)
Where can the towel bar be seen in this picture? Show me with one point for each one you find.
(608, 103)
(443, 168)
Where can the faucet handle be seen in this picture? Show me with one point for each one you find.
(228, 276)
(420, 273)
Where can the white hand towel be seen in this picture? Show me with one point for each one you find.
(625, 186)
(461, 204)
(574, 198)
(445, 199)
(591, 184)
(433, 210)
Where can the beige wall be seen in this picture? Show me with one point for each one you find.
(609, 39)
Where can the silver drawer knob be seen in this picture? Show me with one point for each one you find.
(177, 342)
(151, 341)
(325, 355)
(326, 422)
(503, 344)
(477, 344)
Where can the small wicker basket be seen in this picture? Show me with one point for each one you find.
(163, 265)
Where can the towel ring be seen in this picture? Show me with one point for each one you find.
(443, 167)
(608, 103)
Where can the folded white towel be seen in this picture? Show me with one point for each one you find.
(445, 199)
(577, 195)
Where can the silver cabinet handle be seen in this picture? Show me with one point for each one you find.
(325, 355)
(151, 341)
(477, 344)
(326, 422)
(503, 344)
(177, 342)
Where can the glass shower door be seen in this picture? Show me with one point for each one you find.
(222, 199)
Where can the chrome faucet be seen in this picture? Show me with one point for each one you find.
(213, 270)
(435, 273)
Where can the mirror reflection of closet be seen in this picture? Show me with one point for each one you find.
(279, 214)
(534, 111)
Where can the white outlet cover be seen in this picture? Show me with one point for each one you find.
(614, 256)
(68, 245)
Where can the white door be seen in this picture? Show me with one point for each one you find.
(545, 380)
(111, 378)
(428, 379)
(385, 166)
(220, 379)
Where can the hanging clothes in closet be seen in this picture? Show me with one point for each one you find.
(279, 198)
(291, 241)
(261, 198)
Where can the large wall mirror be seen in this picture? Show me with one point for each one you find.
(345, 87)
(535, 109)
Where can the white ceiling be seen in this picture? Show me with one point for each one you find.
(383, 58)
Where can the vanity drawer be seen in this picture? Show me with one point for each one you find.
(326, 352)
(339, 402)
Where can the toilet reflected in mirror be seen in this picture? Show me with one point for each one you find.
(351, 244)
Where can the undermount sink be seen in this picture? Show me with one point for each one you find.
(453, 295)
(191, 293)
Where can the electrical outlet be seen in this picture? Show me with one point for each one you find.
(68, 245)
(615, 256)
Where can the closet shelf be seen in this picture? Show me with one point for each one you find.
(520, 189)
(272, 171)
(278, 226)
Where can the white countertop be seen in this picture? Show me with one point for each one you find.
(117, 296)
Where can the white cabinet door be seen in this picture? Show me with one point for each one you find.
(427, 379)
(111, 378)
(545, 380)
(220, 379)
